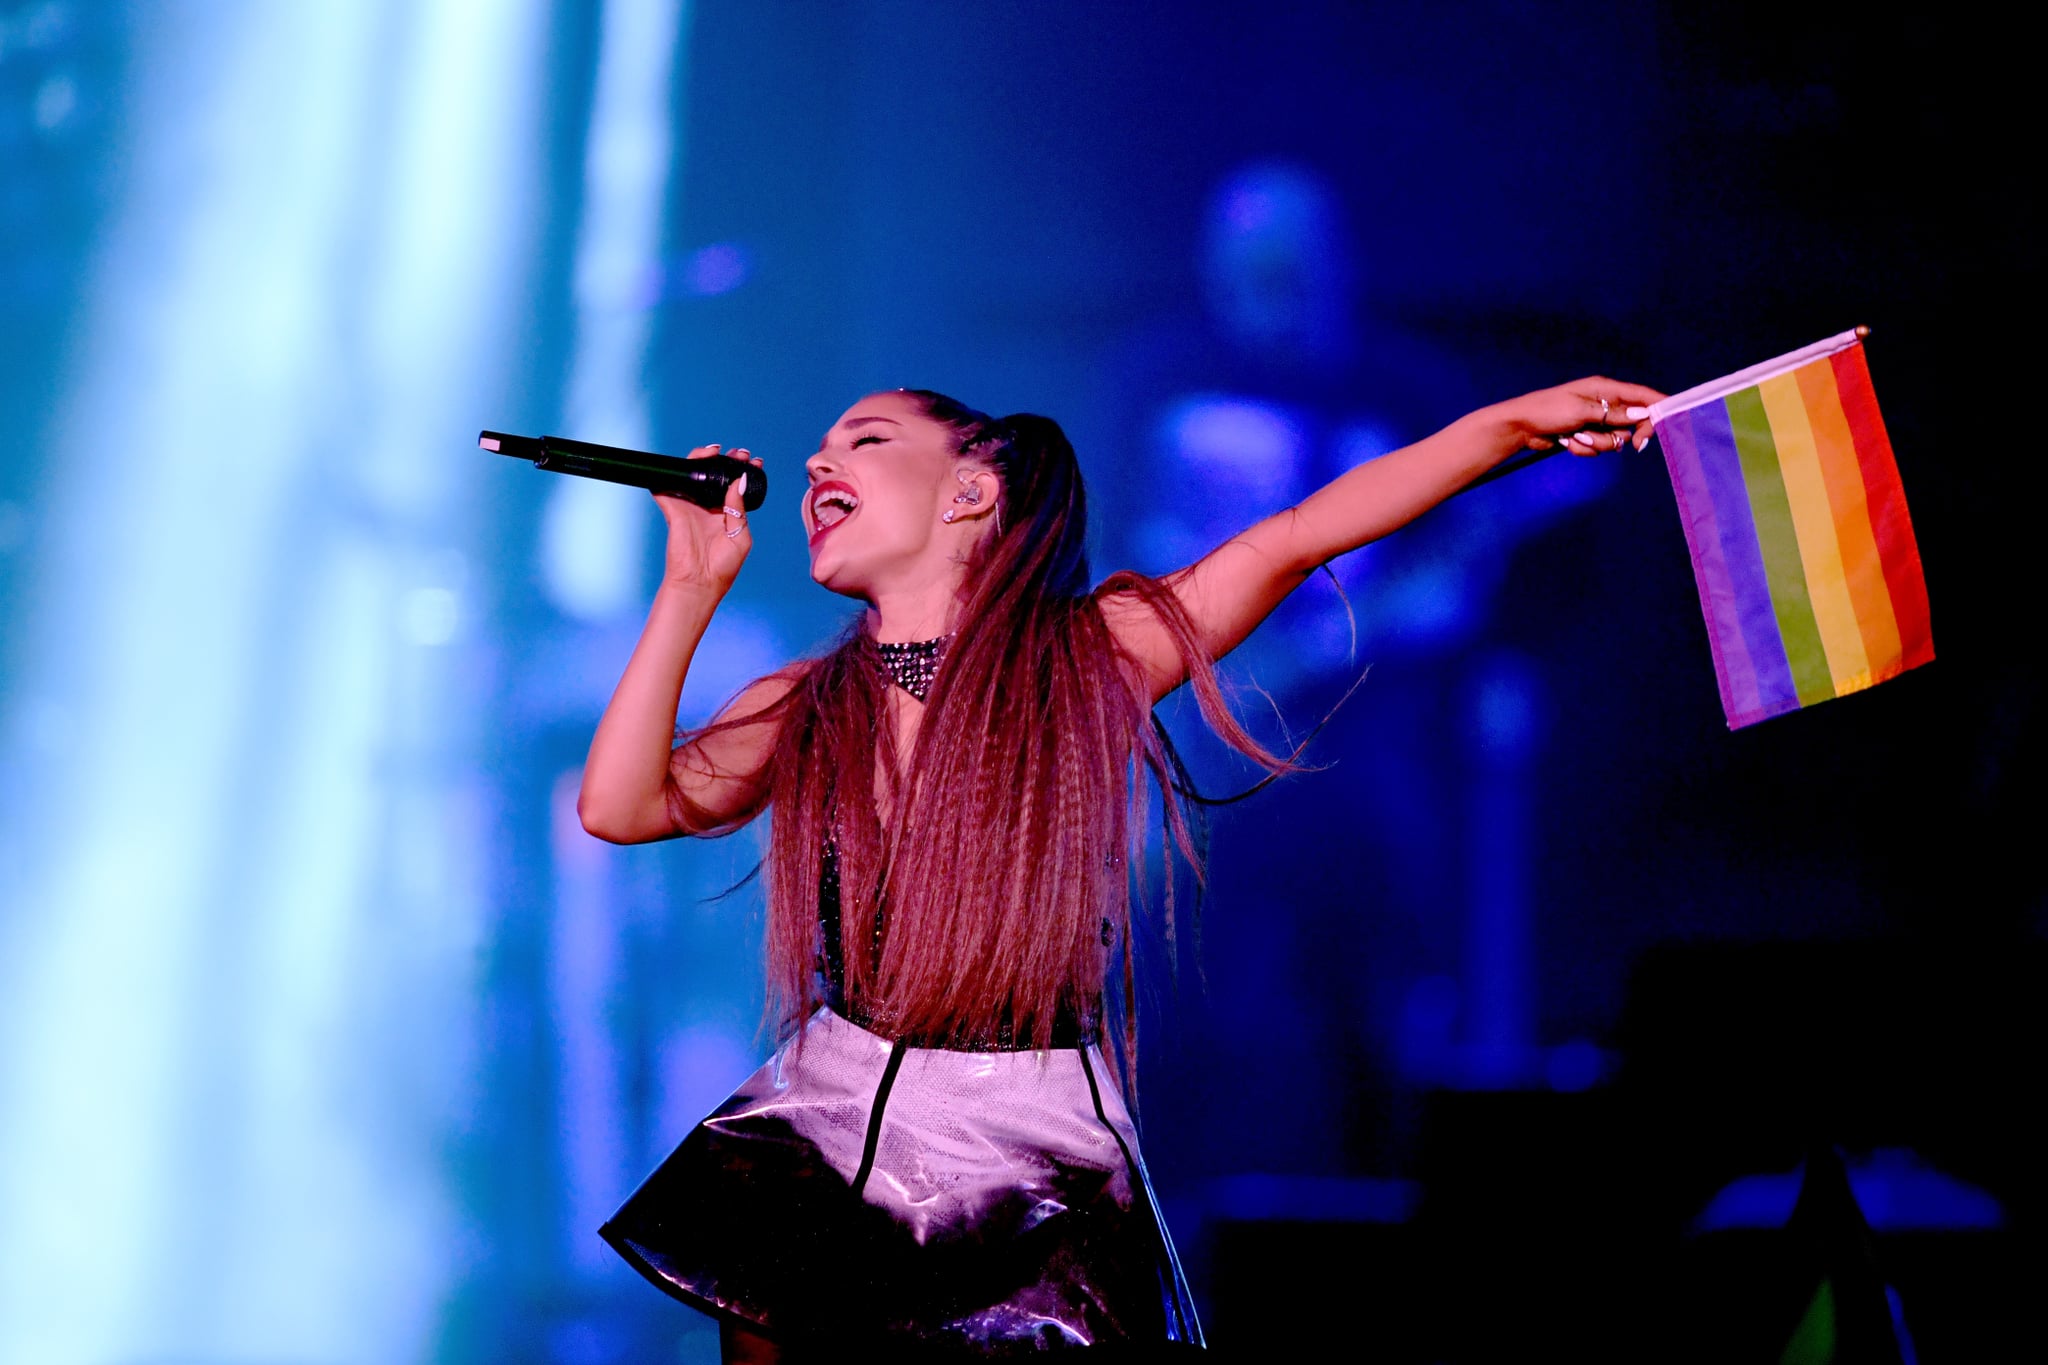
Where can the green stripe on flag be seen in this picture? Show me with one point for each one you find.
(1783, 569)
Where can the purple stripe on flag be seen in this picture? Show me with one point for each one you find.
(1721, 472)
(1732, 666)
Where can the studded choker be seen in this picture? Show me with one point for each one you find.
(913, 664)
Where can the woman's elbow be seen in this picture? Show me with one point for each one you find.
(605, 820)
(597, 822)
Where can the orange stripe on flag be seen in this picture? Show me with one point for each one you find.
(1861, 566)
(1813, 524)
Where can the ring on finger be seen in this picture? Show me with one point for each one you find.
(733, 532)
(1604, 405)
(734, 512)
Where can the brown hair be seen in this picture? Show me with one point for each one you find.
(998, 861)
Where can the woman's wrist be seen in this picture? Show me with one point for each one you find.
(691, 592)
(1494, 431)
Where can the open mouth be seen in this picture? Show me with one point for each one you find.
(831, 503)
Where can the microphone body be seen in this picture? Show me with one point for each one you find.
(702, 481)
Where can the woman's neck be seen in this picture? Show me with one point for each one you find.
(921, 613)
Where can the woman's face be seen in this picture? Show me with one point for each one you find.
(880, 483)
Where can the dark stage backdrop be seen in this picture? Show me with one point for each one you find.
(328, 1035)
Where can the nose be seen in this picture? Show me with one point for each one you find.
(821, 466)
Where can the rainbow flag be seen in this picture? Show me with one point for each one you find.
(1807, 568)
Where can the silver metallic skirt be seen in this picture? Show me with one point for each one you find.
(984, 1203)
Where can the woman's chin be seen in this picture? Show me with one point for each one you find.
(829, 571)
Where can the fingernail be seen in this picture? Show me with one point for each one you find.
(743, 452)
(741, 483)
(1636, 414)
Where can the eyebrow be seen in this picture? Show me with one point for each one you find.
(852, 422)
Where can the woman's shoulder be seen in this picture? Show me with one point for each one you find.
(1150, 629)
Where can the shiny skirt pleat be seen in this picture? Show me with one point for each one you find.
(982, 1202)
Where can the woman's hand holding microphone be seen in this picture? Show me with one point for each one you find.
(707, 546)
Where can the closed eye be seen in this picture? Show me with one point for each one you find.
(860, 441)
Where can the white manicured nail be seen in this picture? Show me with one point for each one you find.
(1636, 414)
(742, 482)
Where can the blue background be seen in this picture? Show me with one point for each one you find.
(326, 1035)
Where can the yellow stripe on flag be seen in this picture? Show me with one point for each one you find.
(1813, 523)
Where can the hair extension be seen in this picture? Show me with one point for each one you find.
(997, 856)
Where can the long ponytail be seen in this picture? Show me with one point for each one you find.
(984, 901)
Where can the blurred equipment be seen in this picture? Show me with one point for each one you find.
(702, 481)
(1909, 1059)
(1853, 1315)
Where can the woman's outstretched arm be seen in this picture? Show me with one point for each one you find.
(1235, 586)
(635, 767)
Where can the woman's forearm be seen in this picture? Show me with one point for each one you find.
(1230, 590)
(625, 779)
(1381, 496)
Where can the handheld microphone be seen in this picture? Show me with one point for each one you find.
(702, 481)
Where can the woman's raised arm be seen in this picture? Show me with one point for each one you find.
(635, 766)
(1235, 586)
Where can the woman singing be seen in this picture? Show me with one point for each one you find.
(939, 1157)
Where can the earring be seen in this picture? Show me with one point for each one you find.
(950, 515)
(970, 492)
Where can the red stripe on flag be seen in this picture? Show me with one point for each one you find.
(1889, 522)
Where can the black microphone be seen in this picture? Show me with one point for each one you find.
(702, 481)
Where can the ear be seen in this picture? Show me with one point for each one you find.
(976, 496)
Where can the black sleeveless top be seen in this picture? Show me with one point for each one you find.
(1068, 1029)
